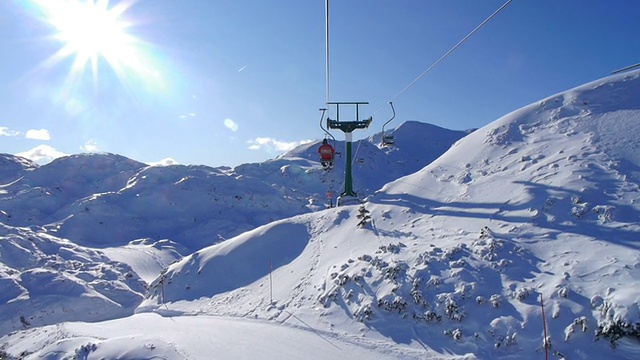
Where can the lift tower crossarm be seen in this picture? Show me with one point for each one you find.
(348, 126)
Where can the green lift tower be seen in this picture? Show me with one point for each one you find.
(348, 195)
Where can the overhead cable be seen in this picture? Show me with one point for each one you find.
(450, 51)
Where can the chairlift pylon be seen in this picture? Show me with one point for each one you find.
(347, 127)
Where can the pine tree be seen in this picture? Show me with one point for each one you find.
(363, 215)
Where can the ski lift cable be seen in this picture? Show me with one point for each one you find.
(355, 155)
(326, 44)
(456, 46)
(627, 68)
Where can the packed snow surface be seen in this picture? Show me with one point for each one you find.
(452, 257)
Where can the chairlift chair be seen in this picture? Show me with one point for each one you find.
(387, 137)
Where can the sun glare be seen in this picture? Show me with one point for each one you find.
(92, 33)
(89, 30)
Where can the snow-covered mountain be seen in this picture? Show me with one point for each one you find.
(78, 197)
(454, 257)
(126, 221)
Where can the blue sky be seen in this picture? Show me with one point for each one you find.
(225, 82)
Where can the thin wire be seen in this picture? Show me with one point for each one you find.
(314, 330)
(625, 69)
(449, 52)
(326, 24)
(355, 156)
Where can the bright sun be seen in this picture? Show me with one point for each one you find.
(90, 31)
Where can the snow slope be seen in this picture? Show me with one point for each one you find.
(149, 336)
(540, 205)
(450, 261)
(46, 280)
(83, 235)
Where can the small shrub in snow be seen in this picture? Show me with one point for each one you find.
(615, 330)
(580, 207)
(397, 304)
(465, 290)
(391, 248)
(522, 293)
(563, 292)
(456, 334)
(332, 296)
(416, 294)
(580, 323)
(434, 282)
(349, 294)
(342, 279)
(505, 340)
(365, 257)
(578, 211)
(496, 300)
(429, 316)
(486, 233)
(458, 263)
(596, 301)
(363, 313)
(379, 263)
(548, 203)
(503, 263)
(604, 213)
(83, 351)
(488, 247)
(392, 272)
(605, 310)
(451, 252)
(453, 311)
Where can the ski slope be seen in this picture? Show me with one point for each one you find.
(446, 260)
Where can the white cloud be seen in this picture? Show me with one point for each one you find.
(42, 154)
(41, 134)
(4, 131)
(231, 125)
(187, 115)
(271, 144)
(164, 162)
(90, 146)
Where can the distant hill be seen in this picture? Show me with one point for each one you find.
(75, 196)
(13, 167)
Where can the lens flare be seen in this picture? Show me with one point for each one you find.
(93, 33)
